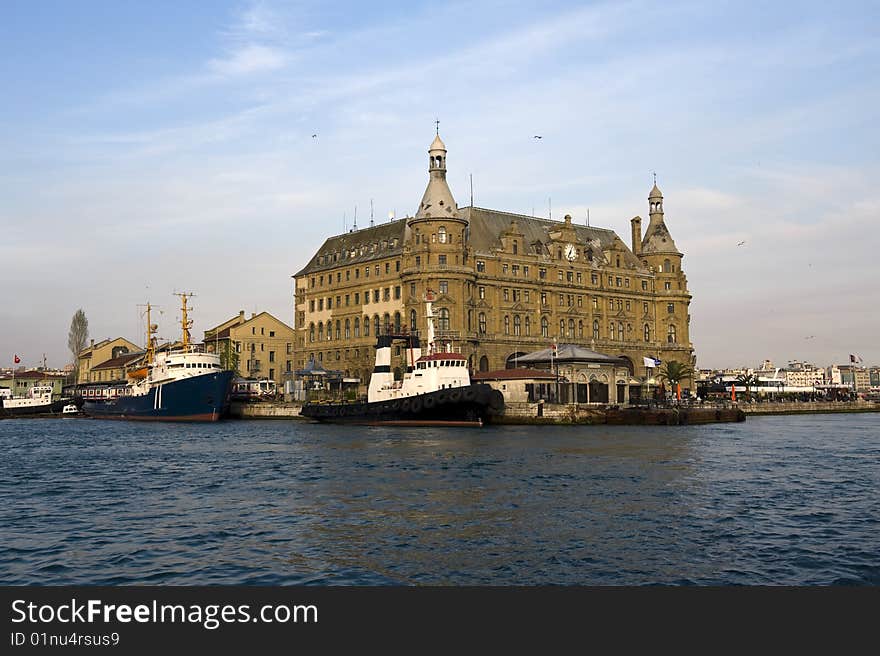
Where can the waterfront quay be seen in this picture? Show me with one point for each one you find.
(555, 413)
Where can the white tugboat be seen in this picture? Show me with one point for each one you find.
(436, 389)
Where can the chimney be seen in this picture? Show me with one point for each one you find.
(241, 316)
(636, 222)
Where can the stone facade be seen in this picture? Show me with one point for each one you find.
(263, 344)
(505, 285)
(99, 353)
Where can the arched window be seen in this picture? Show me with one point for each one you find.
(515, 247)
(580, 329)
(528, 327)
(596, 329)
(482, 319)
(397, 322)
(571, 327)
(312, 332)
(647, 333)
(620, 332)
(667, 266)
(517, 325)
(443, 321)
(412, 319)
(386, 322)
(545, 327)
(590, 255)
(376, 325)
(357, 326)
(366, 326)
(612, 333)
(338, 329)
(506, 325)
(561, 328)
(320, 331)
(347, 329)
(484, 363)
(670, 334)
(441, 234)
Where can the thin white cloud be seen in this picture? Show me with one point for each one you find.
(249, 59)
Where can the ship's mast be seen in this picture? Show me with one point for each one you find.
(185, 322)
(429, 318)
(151, 341)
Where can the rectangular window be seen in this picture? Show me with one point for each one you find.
(645, 285)
(542, 274)
(561, 299)
(397, 265)
(444, 286)
(645, 307)
(441, 260)
(271, 356)
(580, 301)
(580, 277)
(481, 266)
(595, 303)
(418, 261)
(357, 274)
(610, 303)
(504, 269)
(289, 348)
(526, 295)
(516, 295)
(320, 304)
(397, 292)
(626, 282)
(515, 269)
(387, 294)
(482, 292)
(367, 297)
(312, 305)
(560, 275)
(412, 289)
(610, 281)
(387, 268)
(670, 308)
(594, 279)
(376, 293)
(288, 366)
(619, 281)
(627, 306)
(543, 298)
(506, 293)
(667, 285)
(348, 274)
(366, 272)
(347, 299)
(329, 302)
(377, 270)
(338, 301)
(569, 276)
(526, 271)
(339, 276)
(357, 295)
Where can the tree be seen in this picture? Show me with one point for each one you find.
(77, 337)
(748, 381)
(674, 372)
(229, 359)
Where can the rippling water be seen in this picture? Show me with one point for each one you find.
(774, 500)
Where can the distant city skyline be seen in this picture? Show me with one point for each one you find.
(157, 148)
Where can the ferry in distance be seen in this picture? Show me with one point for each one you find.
(183, 384)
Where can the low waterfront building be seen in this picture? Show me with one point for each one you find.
(99, 353)
(505, 284)
(22, 381)
(584, 375)
(114, 369)
(521, 385)
(259, 347)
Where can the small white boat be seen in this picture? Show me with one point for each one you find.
(70, 409)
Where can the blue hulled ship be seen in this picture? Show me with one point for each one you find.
(183, 384)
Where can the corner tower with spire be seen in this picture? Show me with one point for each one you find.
(436, 246)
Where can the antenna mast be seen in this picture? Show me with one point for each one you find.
(472, 189)
(185, 322)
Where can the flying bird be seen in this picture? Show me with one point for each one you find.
(810, 337)
(742, 243)
(314, 136)
(537, 136)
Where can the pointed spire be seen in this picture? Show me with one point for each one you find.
(437, 200)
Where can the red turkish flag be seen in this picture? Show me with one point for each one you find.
(16, 359)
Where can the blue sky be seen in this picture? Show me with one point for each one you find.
(156, 147)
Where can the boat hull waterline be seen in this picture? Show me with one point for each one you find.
(199, 398)
(472, 405)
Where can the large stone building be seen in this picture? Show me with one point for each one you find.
(96, 354)
(505, 285)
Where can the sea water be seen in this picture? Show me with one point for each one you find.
(783, 500)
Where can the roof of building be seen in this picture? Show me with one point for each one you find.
(655, 192)
(569, 353)
(31, 373)
(437, 144)
(238, 321)
(120, 361)
(358, 246)
(520, 373)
